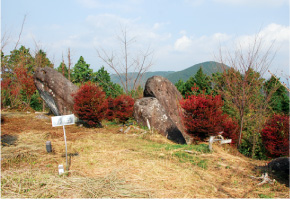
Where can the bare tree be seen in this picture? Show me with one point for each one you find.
(20, 33)
(243, 83)
(283, 84)
(69, 62)
(129, 68)
(4, 40)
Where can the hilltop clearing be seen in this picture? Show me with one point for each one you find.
(107, 163)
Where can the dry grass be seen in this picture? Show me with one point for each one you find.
(110, 164)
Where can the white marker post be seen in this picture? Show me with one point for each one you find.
(62, 121)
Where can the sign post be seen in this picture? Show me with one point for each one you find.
(62, 121)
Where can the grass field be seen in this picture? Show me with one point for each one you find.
(106, 163)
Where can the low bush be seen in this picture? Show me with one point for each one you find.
(120, 108)
(90, 104)
(203, 117)
(275, 136)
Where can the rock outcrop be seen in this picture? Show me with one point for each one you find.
(55, 90)
(280, 165)
(168, 96)
(149, 110)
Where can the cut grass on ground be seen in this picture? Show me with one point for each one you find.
(105, 163)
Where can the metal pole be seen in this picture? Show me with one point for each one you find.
(65, 147)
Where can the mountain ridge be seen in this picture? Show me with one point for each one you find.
(209, 67)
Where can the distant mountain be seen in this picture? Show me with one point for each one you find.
(208, 68)
(132, 76)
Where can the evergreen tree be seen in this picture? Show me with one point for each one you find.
(102, 77)
(41, 59)
(180, 86)
(81, 72)
(279, 101)
(21, 58)
(200, 81)
(63, 69)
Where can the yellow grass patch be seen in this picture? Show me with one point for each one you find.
(105, 163)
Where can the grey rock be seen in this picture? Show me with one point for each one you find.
(55, 90)
(149, 109)
(169, 97)
(280, 165)
(42, 117)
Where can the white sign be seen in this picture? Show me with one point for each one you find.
(63, 120)
(226, 141)
(60, 169)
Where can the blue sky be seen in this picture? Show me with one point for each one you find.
(180, 32)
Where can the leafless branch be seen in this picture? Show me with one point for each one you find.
(20, 33)
(4, 40)
(243, 81)
(125, 63)
(69, 62)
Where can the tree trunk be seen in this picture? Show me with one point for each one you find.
(254, 145)
(241, 129)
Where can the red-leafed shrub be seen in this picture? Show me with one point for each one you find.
(203, 117)
(122, 108)
(26, 81)
(90, 104)
(275, 136)
(230, 129)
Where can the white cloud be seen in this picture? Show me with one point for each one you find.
(189, 48)
(156, 26)
(276, 32)
(273, 34)
(183, 43)
(204, 42)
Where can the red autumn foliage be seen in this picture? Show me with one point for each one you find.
(90, 104)
(230, 127)
(5, 83)
(26, 81)
(203, 117)
(120, 108)
(275, 136)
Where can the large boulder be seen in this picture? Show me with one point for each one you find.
(149, 109)
(168, 96)
(55, 90)
(280, 165)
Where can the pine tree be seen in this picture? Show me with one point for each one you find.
(81, 72)
(102, 77)
(41, 59)
(279, 101)
(202, 81)
(63, 69)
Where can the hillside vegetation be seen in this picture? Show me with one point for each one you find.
(144, 78)
(209, 68)
(107, 163)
